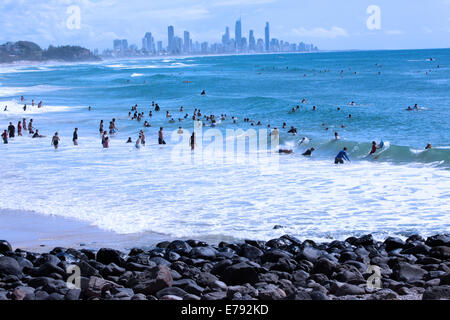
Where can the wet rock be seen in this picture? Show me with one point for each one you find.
(180, 247)
(5, 247)
(20, 293)
(250, 252)
(310, 254)
(407, 272)
(9, 266)
(270, 292)
(107, 256)
(240, 273)
(384, 294)
(324, 266)
(438, 240)
(440, 252)
(348, 290)
(392, 243)
(215, 295)
(437, 293)
(203, 253)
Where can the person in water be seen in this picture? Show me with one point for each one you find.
(286, 151)
(75, 137)
(203, 93)
(308, 152)
(11, 130)
(55, 140)
(374, 148)
(428, 147)
(129, 140)
(161, 136)
(336, 136)
(180, 130)
(37, 135)
(19, 128)
(5, 137)
(341, 156)
(192, 141)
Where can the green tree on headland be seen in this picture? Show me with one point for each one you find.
(29, 51)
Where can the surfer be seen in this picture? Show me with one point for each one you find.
(286, 151)
(341, 156)
(308, 152)
(375, 147)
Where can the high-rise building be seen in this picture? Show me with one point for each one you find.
(171, 35)
(267, 37)
(226, 37)
(160, 46)
(238, 34)
(187, 42)
(251, 41)
(148, 42)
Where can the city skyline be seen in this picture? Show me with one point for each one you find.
(226, 44)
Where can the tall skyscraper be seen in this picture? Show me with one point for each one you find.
(267, 37)
(171, 35)
(238, 34)
(251, 41)
(226, 37)
(147, 42)
(187, 42)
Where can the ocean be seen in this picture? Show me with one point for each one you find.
(404, 189)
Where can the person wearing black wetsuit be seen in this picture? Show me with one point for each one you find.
(308, 152)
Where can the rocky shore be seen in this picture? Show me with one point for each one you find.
(279, 269)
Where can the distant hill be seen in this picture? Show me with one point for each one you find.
(29, 51)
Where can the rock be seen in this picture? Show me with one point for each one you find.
(437, 293)
(112, 270)
(73, 294)
(189, 286)
(406, 272)
(349, 290)
(205, 279)
(191, 297)
(275, 255)
(445, 279)
(240, 273)
(171, 298)
(203, 253)
(20, 293)
(47, 270)
(131, 266)
(97, 287)
(23, 263)
(324, 266)
(160, 261)
(172, 256)
(173, 291)
(180, 247)
(438, 240)
(416, 248)
(5, 247)
(155, 279)
(440, 252)
(270, 292)
(87, 270)
(384, 294)
(392, 243)
(281, 243)
(196, 243)
(250, 252)
(310, 254)
(139, 296)
(107, 256)
(9, 266)
(40, 282)
(55, 296)
(41, 295)
(362, 241)
(215, 295)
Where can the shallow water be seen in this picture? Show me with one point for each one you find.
(403, 191)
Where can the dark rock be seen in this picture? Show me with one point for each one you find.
(318, 296)
(131, 266)
(9, 266)
(203, 253)
(284, 264)
(135, 251)
(172, 256)
(180, 247)
(392, 243)
(384, 294)
(163, 245)
(173, 291)
(205, 279)
(280, 243)
(215, 295)
(438, 240)
(445, 279)
(440, 252)
(250, 252)
(40, 282)
(275, 255)
(160, 261)
(47, 269)
(240, 273)
(107, 256)
(416, 248)
(88, 253)
(349, 290)
(96, 287)
(20, 293)
(310, 254)
(415, 238)
(41, 295)
(55, 296)
(404, 271)
(196, 243)
(139, 296)
(112, 270)
(87, 270)
(324, 266)
(5, 247)
(73, 294)
(154, 280)
(270, 292)
(362, 241)
(437, 293)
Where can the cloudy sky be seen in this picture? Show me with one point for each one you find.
(330, 24)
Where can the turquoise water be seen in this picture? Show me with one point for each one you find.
(405, 189)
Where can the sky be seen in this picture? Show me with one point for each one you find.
(329, 24)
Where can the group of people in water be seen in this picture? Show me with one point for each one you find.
(209, 120)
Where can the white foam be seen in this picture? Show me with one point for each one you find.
(136, 75)
(14, 91)
(15, 108)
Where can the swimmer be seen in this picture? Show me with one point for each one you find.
(203, 93)
(161, 136)
(6, 109)
(336, 136)
(341, 156)
(428, 147)
(129, 140)
(308, 152)
(314, 108)
(293, 130)
(180, 130)
(55, 140)
(286, 151)
(37, 135)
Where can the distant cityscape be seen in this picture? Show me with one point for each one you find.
(186, 46)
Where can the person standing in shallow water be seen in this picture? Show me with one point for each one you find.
(192, 141)
(19, 128)
(5, 137)
(161, 136)
(55, 140)
(75, 137)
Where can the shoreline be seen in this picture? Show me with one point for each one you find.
(285, 268)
